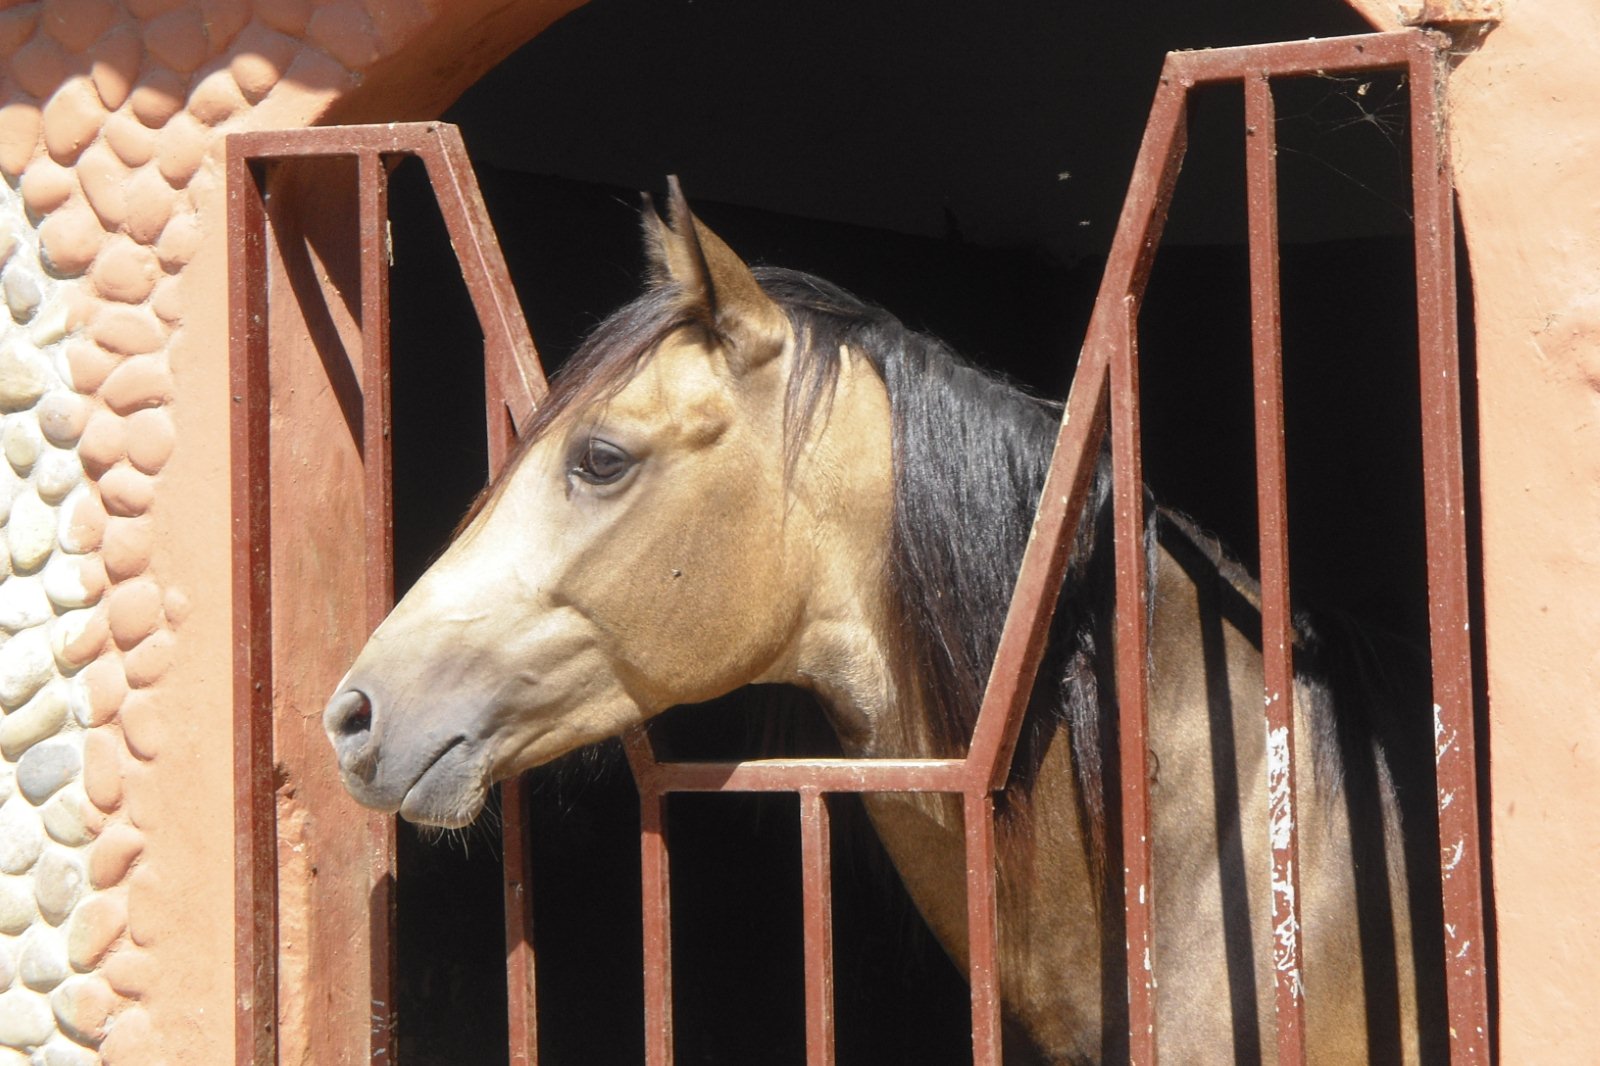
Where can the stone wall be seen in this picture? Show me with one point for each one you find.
(115, 662)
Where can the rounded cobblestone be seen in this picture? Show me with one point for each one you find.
(77, 23)
(125, 271)
(42, 959)
(74, 581)
(19, 136)
(83, 1005)
(102, 769)
(17, 909)
(125, 492)
(45, 768)
(21, 836)
(159, 96)
(26, 1020)
(59, 880)
(115, 60)
(76, 638)
(128, 330)
(22, 293)
(56, 473)
(21, 440)
(72, 118)
(69, 820)
(104, 179)
(25, 374)
(96, 924)
(69, 238)
(150, 204)
(88, 365)
(82, 521)
(8, 966)
(62, 1052)
(23, 603)
(62, 416)
(39, 66)
(132, 140)
(37, 720)
(11, 487)
(30, 532)
(25, 665)
(141, 381)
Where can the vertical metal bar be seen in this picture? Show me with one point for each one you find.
(1448, 604)
(983, 935)
(817, 874)
(1277, 637)
(656, 883)
(1133, 642)
(372, 184)
(254, 801)
(522, 1014)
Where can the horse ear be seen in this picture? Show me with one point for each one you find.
(719, 290)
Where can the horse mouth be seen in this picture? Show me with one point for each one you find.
(450, 790)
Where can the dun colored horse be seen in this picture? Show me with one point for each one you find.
(752, 476)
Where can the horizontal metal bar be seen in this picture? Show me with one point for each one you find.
(1332, 55)
(796, 775)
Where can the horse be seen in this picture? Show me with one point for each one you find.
(750, 476)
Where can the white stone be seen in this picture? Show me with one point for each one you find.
(45, 768)
(58, 883)
(62, 582)
(8, 966)
(26, 663)
(23, 604)
(8, 781)
(63, 817)
(10, 485)
(22, 292)
(26, 1020)
(31, 532)
(25, 373)
(22, 439)
(42, 958)
(63, 1052)
(64, 514)
(21, 836)
(39, 719)
(65, 629)
(49, 327)
(12, 1057)
(78, 701)
(17, 909)
(57, 472)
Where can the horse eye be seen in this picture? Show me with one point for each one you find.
(600, 463)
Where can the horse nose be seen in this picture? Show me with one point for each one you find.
(348, 722)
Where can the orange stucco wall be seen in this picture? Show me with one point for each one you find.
(110, 117)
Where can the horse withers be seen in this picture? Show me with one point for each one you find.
(751, 476)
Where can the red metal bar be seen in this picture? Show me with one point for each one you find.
(1330, 55)
(1133, 643)
(516, 870)
(254, 801)
(817, 879)
(372, 180)
(983, 932)
(656, 880)
(1448, 603)
(1277, 626)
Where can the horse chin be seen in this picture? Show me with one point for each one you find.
(450, 792)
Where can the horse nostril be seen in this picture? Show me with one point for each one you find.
(348, 718)
(357, 714)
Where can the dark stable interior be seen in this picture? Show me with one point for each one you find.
(968, 177)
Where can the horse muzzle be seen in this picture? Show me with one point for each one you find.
(431, 778)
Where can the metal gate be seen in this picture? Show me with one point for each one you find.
(1104, 394)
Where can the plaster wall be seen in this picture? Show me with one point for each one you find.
(110, 119)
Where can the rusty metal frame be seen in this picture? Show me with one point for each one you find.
(514, 383)
(1104, 396)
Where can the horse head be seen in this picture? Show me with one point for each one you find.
(656, 541)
